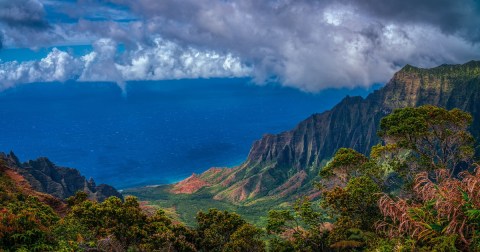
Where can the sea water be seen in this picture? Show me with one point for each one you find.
(152, 132)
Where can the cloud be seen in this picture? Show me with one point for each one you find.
(451, 17)
(314, 45)
(165, 60)
(23, 13)
(56, 66)
(100, 64)
(310, 45)
(23, 23)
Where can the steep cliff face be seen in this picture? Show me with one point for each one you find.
(284, 163)
(61, 182)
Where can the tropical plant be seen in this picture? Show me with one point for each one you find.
(446, 212)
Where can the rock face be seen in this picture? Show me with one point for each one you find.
(284, 163)
(61, 182)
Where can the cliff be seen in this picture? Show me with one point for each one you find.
(279, 165)
(61, 182)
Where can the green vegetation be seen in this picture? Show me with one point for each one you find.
(26, 224)
(224, 231)
(420, 191)
(437, 138)
(184, 207)
(435, 208)
(303, 229)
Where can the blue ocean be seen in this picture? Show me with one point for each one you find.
(154, 132)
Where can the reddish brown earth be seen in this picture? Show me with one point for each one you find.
(24, 187)
(189, 185)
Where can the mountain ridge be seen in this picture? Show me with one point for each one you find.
(284, 163)
(61, 182)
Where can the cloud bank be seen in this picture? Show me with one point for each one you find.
(165, 60)
(310, 45)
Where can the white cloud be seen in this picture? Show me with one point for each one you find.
(164, 60)
(56, 66)
(167, 60)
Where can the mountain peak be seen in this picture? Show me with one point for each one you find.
(469, 69)
(408, 68)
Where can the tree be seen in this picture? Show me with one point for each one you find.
(221, 230)
(356, 193)
(111, 219)
(245, 238)
(350, 185)
(347, 163)
(436, 137)
(354, 209)
(304, 229)
(163, 233)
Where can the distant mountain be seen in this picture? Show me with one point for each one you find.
(61, 182)
(280, 165)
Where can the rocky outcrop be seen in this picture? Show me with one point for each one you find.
(14, 183)
(61, 182)
(294, 157)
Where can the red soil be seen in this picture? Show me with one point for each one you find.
(189, 185)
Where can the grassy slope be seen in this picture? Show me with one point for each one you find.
(186, 206)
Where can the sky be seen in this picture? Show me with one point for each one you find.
(306, 44)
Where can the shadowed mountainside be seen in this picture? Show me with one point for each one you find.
(284, 164)
(61, 182)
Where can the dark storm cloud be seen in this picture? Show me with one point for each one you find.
(23, 14)
(452, 17)
(24, 24)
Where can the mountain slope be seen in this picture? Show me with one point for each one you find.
(12, 184)
(279, 165)
(61, 182)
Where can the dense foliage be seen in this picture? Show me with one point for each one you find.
(303, 229)
(438, 138)
(419, 191)
(445, 216)
(27, 224)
